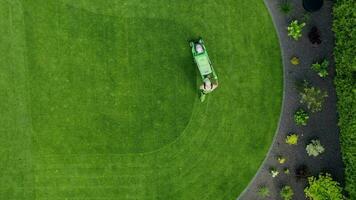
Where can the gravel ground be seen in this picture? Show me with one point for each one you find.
(322, 125)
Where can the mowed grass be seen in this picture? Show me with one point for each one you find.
(99, 99)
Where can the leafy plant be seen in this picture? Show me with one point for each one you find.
(263, 192)
(312, 97)
(295, 29)
(285, 7)
(345, 65)
(314, 148)
(321, 68)
(292, 139)
(323, 187)
(286, 171)
(274, 172)
(306, 17)
(301, 117)
(314, 36)
(281, 159)
(295, 60)
(302, 171)
(287, 192)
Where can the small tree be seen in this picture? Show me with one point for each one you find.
(323, 187)
(321, 68)
(287, 193)
(292, 139)
(314, 148)
(295, 29)
(301, 117)
(312, 97)
(263, 192)
(285, 7)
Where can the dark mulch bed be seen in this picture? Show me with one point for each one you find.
(322, 125)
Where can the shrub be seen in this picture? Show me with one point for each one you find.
(301, 117)
(285, 7)
(286, 171)
(281, 159)
(263, 192)
(314, 148)
(323, 187)
(292, 139)
(295, 60)
(295, 29)
(306, 17)
(302, 171)
(312, 97)
(345, 65)
(287, 193)
(314, 36)
(321, 68)
(274, 172)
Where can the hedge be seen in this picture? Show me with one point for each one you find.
(345, 57)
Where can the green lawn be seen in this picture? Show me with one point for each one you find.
(98, 99)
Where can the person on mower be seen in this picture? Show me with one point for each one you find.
(208, 86)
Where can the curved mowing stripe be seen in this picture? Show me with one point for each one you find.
(98, 134)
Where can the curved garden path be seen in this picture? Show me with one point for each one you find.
(322, 125)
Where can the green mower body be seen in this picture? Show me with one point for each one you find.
(201, 58)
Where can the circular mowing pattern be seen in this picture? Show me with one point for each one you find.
(71, 149)
(127, 85)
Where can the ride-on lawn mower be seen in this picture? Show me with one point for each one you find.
(201, 58)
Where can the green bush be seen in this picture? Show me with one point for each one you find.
(287, 193)
(323, 188)
(286, 171)
(281, 159)
(314, 148)
(321, 68)
(312, 97)
(263, 192)
(295, 60)
(295, 29)
(292, 139)
(301, 117)
(285, 7)
(345, 63)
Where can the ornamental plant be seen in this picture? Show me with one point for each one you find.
(302, 171)
(314, 36)
(285, 7)
(323, 187)
(301, 117)
(295, 29)
(263, 192)
(292, 139)
(312, 97)
(314, 148)
(321, 68)
(274, 172)
(287, 193)
(281, 159)
(295, 60)
(286, 171)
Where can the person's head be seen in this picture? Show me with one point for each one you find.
(199, 48)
